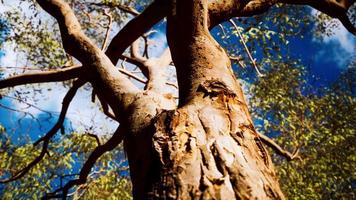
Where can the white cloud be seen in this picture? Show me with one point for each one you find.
(159, 43)
(10, 56)
(82, 113)
(342, 38)
(339, 47)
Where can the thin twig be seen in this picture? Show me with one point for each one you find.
(107, 30)
(268, 141)
(223, 30)
(142, 80)
(15, 110)
(50, 113)
(253, 60)
(127, 73)
(23, 68)
(97, 139)
(124, 8)
(172, 84)
(94, 156)
(146, 39)
(239, 60)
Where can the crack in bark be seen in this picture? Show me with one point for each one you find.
(262, 150)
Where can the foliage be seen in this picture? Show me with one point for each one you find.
(35, 39)
(318, 121)
(326, 26)
(66, 154)
(267, 36)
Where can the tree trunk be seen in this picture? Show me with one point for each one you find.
(207, 148)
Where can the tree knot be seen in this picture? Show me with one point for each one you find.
(215, 88)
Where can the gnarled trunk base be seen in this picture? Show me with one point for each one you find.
(207, 149)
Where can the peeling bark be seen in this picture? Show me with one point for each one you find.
(208, 149)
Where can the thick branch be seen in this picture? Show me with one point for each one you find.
(157, 68)
(135, 28)
(79, 45)
(221, 11)
(334, 8)
(135, 54)
(61, 75)
(152, 68)
(42, 77)
(45, 139)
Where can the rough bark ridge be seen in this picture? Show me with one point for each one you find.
(208, 147)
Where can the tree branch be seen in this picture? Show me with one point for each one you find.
(221, 11)
(50, 113)
(76, 43)
(129, 74)
(45, 139)
(153, 68)
(60, 75)
(107, 30)
(135, 46)
(253, 60)
(94, 156)
(42, 77)
(334, 8)
(278, 149)
(104, 104)
(96, 137)
(135, 28)
(19, 111)
(157, 72)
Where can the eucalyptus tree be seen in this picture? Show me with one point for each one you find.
(204, 146)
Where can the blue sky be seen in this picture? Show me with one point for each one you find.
(327, 58)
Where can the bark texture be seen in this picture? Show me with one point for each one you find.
(207, 148)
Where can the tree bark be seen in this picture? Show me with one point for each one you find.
(207, 148)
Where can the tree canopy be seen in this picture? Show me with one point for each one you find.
(309, 128)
